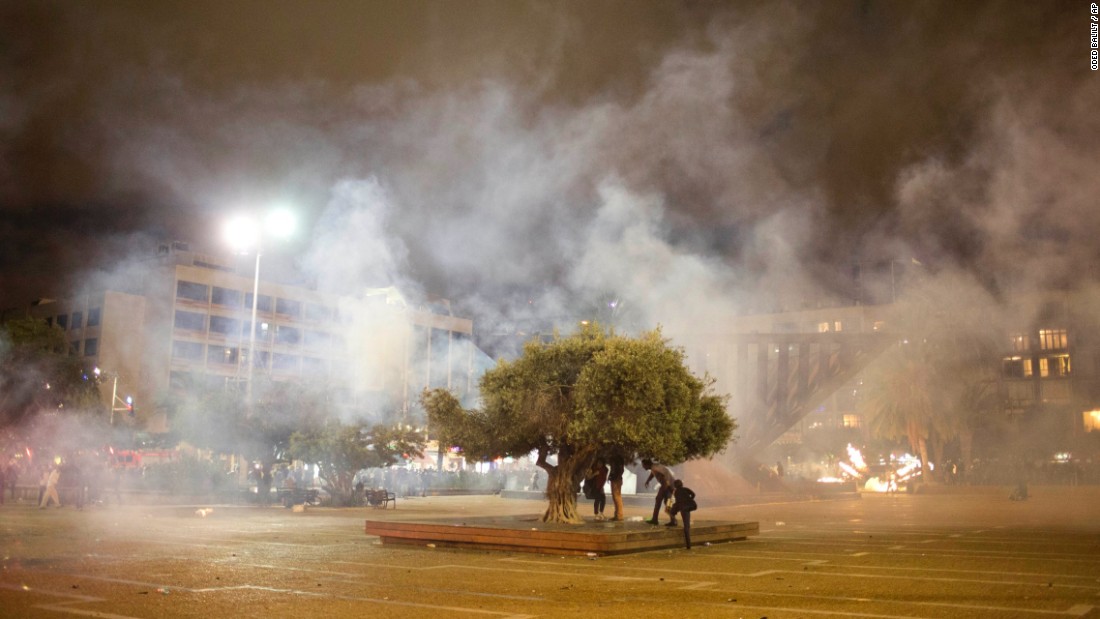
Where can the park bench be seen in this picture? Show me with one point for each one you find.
(298, 496)
(381, 498)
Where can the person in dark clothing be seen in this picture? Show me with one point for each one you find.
(593, 488)
(684, 504)
(615, 474)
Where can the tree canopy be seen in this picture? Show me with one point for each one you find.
(340, 450)
(937, 384)
(592, 394)
(38, 375)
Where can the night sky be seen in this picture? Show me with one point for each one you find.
(524, 158)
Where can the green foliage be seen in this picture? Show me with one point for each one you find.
(207, 417)
(38, 375)
(340, 450)
(187, 476)
(210, 416)
(591, 394)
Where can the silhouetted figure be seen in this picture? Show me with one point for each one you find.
(664, 478)
(593, 488)
(616, 476)
(684, 504)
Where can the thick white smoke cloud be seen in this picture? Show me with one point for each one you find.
(732, 163)
(353, 247)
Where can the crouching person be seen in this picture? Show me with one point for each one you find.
(684, 504)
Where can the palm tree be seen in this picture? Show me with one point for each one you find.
(898, 399)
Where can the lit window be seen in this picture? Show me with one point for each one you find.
(822, 327)
(1055, 365)
(1092, 420)
(879, 325)
(1017, 367)
(1053, 339)
(1021, 342)
(850, 421)
(838, 326)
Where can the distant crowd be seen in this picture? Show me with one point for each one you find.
(79, 479)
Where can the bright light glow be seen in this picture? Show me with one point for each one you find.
(849, 469)
(280, 223)
(242, 233)
(856, 458)
(1092, 421)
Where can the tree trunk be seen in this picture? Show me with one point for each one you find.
(925, 469)
(561, 490)
(966, 450)
(937, 458)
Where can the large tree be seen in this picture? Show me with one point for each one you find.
(593, 394)
(340, 450)
(38, 375)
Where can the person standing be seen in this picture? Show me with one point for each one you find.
(616, 477)
(75, 476)
(664, 477)
(593, 487)
(51, 489)
(43, 478)
(683, 504)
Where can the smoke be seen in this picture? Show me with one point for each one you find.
(669, 167)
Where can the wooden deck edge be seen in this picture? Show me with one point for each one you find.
(581, 542)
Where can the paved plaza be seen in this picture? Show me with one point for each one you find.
(971, 553)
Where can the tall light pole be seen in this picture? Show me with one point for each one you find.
(127, 403)
(245, 234)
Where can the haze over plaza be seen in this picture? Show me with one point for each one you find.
(529, 159)
(640, 164)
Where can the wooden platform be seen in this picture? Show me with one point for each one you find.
(528, 534)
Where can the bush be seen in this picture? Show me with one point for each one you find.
(187, 476)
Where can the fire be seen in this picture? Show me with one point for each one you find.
(905, 469)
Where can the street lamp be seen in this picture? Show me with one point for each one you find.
(246, 234)
(127, 404)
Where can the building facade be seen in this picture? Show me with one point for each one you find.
(1047, 381)
(186, 317)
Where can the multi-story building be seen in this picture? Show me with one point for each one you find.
(1048, 382)
(184, 317)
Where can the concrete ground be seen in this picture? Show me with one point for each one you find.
(968, 553)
